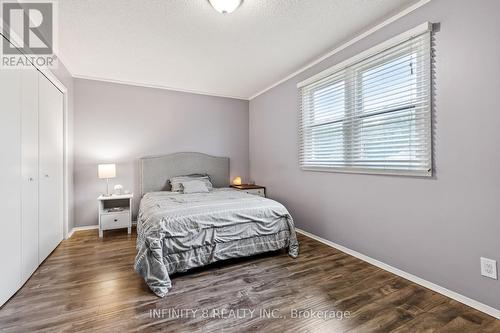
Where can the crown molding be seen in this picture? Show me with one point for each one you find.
(156, 86)
(352, 41)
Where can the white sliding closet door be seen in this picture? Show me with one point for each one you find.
(10, 182)
(50, 230)
(29, 170)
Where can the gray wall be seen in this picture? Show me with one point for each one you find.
(434, 228)
(118, 124)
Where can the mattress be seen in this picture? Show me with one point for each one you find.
(177, 232)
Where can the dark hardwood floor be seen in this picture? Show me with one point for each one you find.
(88, 285)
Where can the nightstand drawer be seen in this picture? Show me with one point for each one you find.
(113, 221)
(257, 191)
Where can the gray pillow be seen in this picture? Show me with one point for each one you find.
(176, 182)
(194, 186)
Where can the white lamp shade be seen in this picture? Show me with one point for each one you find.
(225, 6)
(106, 171)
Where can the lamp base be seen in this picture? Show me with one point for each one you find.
(107, 189)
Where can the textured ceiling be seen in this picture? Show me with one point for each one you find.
(187, 45)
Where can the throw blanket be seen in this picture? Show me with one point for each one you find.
(176, 232)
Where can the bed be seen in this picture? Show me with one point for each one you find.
(177, 232)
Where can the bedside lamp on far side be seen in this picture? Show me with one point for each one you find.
(237, 181)
(106, 171)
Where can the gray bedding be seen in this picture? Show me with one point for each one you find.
(177, 232)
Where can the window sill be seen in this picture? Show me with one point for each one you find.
(383, 172)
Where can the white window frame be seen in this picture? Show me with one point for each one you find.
(417, 31)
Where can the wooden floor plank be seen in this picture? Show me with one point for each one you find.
(88, 285)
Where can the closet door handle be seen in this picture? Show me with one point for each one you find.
(47, 176)
(31, 179)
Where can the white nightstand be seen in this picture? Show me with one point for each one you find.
(115, 212)
(251, 189)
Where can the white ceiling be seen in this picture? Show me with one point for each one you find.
(187, 45)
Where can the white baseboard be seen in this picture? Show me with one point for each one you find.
(87, 227)
(432, 286)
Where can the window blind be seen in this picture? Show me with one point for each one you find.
(373, 115)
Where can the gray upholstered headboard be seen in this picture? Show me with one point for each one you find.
(155, 171)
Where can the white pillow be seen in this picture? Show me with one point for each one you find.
(195, 186)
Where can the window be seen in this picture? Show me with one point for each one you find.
(372, 113)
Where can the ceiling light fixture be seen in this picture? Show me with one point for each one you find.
(225, 6)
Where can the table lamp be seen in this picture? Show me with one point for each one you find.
(106, 171)
(237, 181)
